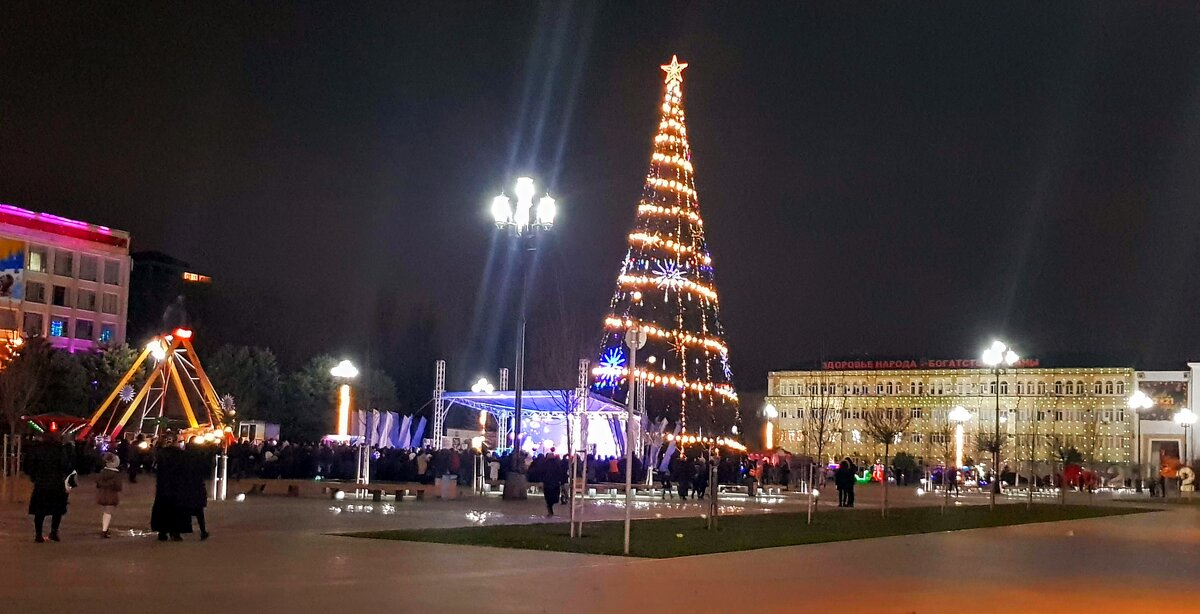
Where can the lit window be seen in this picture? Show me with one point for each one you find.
(107, 332)
(64, 263)
(37, 259)
(197, 278)
(58, 327)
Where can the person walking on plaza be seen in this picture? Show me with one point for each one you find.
(49, 468)
(167, 516)
(108, 489)
(194, 495)
(552, 479)
(138, 453)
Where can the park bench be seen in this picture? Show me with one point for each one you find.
(297, 488)
(291, 488)
(378, 489)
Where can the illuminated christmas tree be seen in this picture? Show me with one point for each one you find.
(666, 287)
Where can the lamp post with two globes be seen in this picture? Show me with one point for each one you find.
(343, 372)
(1138, 402)
(958, 415)
(525, 230)
(997, 356)
(771, 413)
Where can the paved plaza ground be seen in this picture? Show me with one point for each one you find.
(279, 554)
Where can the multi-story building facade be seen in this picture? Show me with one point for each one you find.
(1041, 409)
(65, 280)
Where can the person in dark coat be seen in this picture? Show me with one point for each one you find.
(842, 478)
(851, 482)
(699, 478)
(168, 516)
(48, 465)
(552, 480)
(198, 462)
(138, 454)
(679, 471)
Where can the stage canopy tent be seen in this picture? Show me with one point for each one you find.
(543, 418)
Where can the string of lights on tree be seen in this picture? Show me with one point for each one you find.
(666, 287)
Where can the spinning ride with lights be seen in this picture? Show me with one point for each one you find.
(176, 382)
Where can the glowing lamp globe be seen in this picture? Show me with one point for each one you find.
(546, 211)
(525, 190)
(1185, 417)
(1139, 401)
(157, 349)
(344, 369)
(502, 210)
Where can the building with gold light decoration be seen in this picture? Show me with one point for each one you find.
(1041, 409)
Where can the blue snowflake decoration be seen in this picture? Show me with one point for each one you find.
(612, 367)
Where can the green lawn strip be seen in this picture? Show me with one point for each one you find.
(672, 537)
(1160, 501)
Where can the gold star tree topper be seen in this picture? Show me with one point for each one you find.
(674, 70)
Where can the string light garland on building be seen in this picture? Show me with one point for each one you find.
(685, 439)
(666, 287)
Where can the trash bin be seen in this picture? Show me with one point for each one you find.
(447, 487)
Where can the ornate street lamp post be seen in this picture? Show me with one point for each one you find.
(1139, 402)
(524, 224)
(996, 356)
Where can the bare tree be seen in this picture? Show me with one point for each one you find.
(886, 427)
(992, 443)
(1035, 447)
(822, 417)
(24, 371)
(942, 440)
(1089, 440)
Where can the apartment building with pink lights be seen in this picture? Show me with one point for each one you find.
(62, 279)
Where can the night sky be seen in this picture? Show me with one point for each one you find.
(901, 179)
